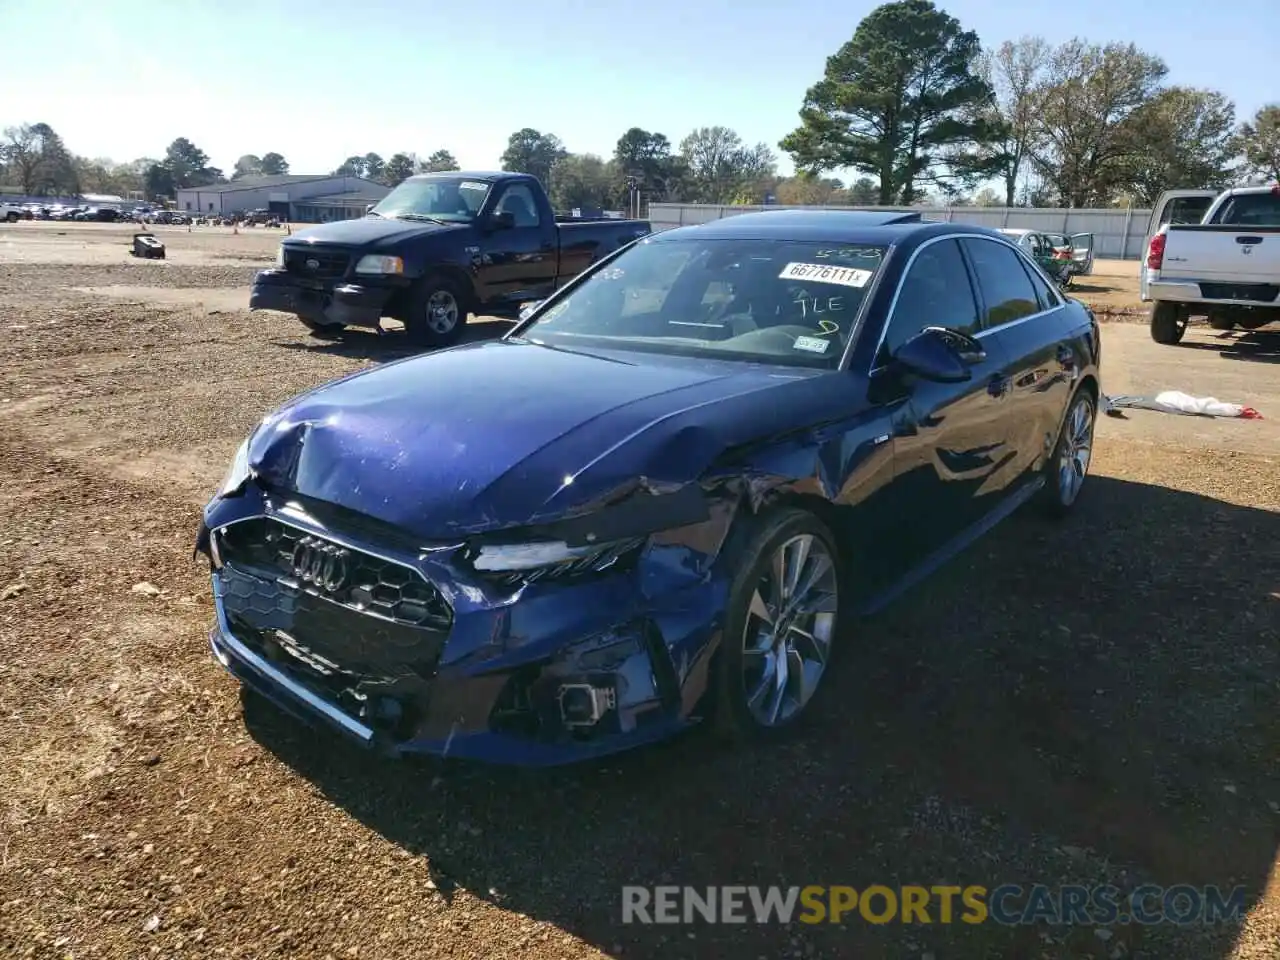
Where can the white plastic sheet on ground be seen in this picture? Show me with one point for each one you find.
(1175, 401)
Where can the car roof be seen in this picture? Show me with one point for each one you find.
(845, 226)
(1015, 231)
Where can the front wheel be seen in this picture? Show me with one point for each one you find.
(11, 217)
(782, 617)
(1168, 322)
(436, 314)
(1066, 471)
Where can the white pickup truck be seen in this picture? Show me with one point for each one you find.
(1226, 267)
(10, 213)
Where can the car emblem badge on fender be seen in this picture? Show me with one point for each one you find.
(320, 564)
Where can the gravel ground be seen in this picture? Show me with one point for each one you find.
(1086, 702)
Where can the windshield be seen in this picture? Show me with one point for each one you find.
(767, 301)
(450, 199)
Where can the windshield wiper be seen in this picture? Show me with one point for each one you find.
(422, 216)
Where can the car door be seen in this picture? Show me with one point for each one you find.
(950, 443)
(1022, 314)
(517, 263)
(1082, 252)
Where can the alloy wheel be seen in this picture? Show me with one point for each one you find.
(790, 626)
(442, 311)
(1077, 446)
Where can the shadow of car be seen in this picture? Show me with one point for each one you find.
(1053, 708)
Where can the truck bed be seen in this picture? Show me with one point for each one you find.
(1223, 253)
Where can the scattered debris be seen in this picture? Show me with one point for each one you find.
(12, 590)
(145, 589)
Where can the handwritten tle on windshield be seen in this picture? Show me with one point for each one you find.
(814, 307)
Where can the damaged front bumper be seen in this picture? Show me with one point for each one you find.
(518, 670)
(319, 303)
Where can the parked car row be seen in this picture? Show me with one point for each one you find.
(661, 499)
(109, 213)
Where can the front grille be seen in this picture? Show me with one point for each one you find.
(1256, 292)
(331, 640)
(350, 579)
(328, 264)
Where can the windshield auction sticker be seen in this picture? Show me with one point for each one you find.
(825, 273)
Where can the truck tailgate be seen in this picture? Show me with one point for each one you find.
(1226, 253)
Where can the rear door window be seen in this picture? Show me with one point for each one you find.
(1006, 289)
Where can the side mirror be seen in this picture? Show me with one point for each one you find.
(940, 354)
(502, 220)
(369, 209)
(527, 310)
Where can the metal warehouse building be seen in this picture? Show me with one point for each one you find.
(301, 199)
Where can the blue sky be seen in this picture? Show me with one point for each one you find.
(318, 80)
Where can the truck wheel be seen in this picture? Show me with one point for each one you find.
(1168, 322)
(436, 316)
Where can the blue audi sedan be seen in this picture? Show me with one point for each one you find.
(661, 499)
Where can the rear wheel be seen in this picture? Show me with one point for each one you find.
(1168, 322)
(1066, 470)
(782, 618)
(436, 314)
(11, 217)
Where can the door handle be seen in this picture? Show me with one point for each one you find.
(998, 385)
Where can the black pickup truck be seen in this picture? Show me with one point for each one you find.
(437, 248)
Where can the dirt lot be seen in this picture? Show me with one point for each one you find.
(1106, 711)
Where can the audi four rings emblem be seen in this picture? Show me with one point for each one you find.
(320, 563)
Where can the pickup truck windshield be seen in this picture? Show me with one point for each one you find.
(1250, 209)
(764, 301)
(451, 199)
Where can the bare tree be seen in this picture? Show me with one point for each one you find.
(1016, 71)
(22, 152)
(1086, 118)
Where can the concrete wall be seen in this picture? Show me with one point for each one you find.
(1118, 233)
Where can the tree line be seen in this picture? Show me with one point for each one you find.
(34, 158)
(912, 104)
(913, 100)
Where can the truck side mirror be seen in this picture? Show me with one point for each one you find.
(502, 220)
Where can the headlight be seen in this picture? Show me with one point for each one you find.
(528, 556)
(550, 558)
(239, 472)
(377, 264)
(280, 255)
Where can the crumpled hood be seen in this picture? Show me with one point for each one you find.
(366, 230)
(508, 433)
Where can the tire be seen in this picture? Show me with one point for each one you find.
(11, 217)
(436, 313)
(753, 604)
(1221, 323)
(1068, 467)
(1168, 322)
(324, 331)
